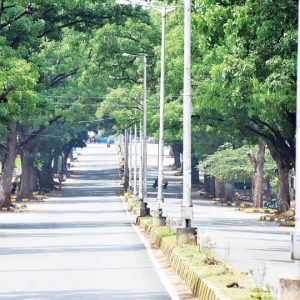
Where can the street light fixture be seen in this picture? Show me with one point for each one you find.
(164, 10)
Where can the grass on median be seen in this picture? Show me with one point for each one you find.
(192, 262)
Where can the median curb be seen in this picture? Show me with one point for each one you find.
(189, 266)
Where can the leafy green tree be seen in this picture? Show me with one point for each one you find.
(247, 74)
(27, 28)
(229, 165)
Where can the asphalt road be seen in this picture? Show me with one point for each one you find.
(79, 243)
(239, 238)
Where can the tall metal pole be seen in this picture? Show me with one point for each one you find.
(130, 158)
(126, 159)
(140, 195)
(160, 196)
(296, 233)
(135, 192)
(297, 183)
(187, 133)
(145, 134)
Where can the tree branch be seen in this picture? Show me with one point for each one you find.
(6, 90)
(128, 37)
(29, 10)
(38, 132)
(257, 120)
(61, 77)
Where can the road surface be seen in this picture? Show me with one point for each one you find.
(236, 237)
(79, 243)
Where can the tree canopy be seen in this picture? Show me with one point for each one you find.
(63, 66)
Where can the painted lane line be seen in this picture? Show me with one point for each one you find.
(159, 270)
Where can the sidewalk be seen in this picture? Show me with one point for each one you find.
(79, 243)
(235, 236)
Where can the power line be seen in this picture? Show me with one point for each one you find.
(99, 97)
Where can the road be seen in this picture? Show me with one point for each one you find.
(234, 236)
(79, 243)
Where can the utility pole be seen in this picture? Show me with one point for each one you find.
(130, 158)
(135, 192)
(145, 165)
(184, 234)
(164, 10)
(140, 194)
(160, 195)
(143, 195)
(290, 287)
(126, 160)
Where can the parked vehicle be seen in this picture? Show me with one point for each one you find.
(106, 139)
(272, 203)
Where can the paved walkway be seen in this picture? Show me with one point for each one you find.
(79, 243)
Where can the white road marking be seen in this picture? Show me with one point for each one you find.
(159, 270)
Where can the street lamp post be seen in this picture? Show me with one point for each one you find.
(130, 159)
(143, 140)
(296, 234)
(160, 195)
(135, 161)
(164, 11)
(140, 194)
(184, 234)
(126, 160)
(145, 165)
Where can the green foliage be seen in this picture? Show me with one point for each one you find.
(50, 76)
(229, 164)
(275, 185)
(63, 61)
(247, 69)
(17, 83)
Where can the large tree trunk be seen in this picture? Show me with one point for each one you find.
(284, 192)
(259, 175)
(212, 188)
(284, 161)
(8, 169)
(176, 152)
(209, 184)
(28, 177)
(45, 177)
(195, 171)
(27, 169)
(258, 178)
(229, 191)
(220, 189)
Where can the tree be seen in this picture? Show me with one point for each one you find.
(248, 75)
(258, 177)
(26, 30)
(17, 96)
(229, 165)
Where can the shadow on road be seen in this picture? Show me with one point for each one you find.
(85, 294)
